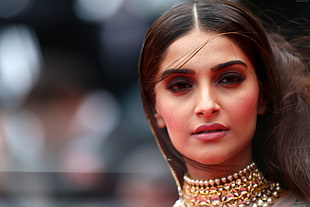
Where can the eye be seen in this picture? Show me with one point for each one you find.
(230, 79)
(179, 84)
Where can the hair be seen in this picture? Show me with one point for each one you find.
(281, 141)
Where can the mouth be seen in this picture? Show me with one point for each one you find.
(210, 128)
(210, 131)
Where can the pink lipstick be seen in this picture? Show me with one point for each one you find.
(210, 132)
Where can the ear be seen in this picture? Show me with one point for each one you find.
(160, 120)
(261, 106)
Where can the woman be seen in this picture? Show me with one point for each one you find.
(229, 106)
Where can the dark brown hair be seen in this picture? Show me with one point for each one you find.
(281, 142)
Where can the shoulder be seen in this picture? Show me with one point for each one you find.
(289, 199)
(299, 203)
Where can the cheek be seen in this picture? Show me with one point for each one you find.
(244, 109)
(173, 113)
(168, 112)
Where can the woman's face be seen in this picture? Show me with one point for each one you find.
(210, 104)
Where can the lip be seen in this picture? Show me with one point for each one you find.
(210, 132)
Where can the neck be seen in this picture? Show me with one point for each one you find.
(205, 172)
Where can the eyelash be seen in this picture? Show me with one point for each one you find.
(179, 84)
(230, 79)
(183, 83)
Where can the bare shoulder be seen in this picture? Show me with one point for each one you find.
(288, 199)
(299, 203)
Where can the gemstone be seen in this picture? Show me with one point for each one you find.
(260, 202)
(264, 197)
(227, 186)
(247, 201)
(235, 175)
(220, 188)
(215, 199)
(213, 189)
(230, 196)
(270, 201)
(223, 179)
(236, 193)
(265, 205)
(243, 191)
(275, 194)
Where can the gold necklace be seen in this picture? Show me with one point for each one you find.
(248, 187)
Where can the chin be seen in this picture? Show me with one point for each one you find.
(210, 161)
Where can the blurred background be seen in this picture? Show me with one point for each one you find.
(72, 128)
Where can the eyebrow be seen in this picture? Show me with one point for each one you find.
(169, 72)
(186, 71)
(227, 64)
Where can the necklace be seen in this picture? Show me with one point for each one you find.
(247, 187)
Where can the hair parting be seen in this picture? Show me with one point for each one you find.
(195, 14)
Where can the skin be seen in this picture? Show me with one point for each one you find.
(196, 94)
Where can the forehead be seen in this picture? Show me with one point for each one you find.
(201, 49)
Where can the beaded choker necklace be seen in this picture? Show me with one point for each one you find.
(248, 187)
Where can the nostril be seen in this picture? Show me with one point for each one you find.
(207, 112)
(214, 111)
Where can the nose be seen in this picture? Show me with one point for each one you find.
(207, 105)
